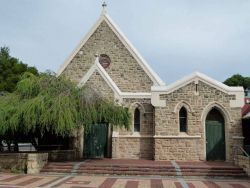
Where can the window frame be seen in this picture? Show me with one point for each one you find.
(183, 120)
(137, 120)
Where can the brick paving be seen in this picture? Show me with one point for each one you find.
(83, 181)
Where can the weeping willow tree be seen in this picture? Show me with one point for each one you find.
(54, 104)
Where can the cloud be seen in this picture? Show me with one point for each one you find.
(176, 37)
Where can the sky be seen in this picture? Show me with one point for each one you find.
(175, 37)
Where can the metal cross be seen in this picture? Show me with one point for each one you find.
(104, 5)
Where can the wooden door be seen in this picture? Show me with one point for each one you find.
(215, 138)
(95, 141)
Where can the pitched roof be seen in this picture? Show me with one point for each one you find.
(104, 17)
(118, 93)
(195, 77)
(247, 116)
(246, 108)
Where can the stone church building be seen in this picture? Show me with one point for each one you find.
(195, 118)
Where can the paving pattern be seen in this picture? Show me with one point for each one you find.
(82, 181)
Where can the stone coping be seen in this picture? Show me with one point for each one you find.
(177, 136)
(238, 137)
(132, 136)
(156, 136)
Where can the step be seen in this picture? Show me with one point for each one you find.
(213, 167)
(146, 169)
(166, 170)
(219, 170)
(58, 167)
(57, 170)
(126, 168)
(150, 173)
(162, 173)
(139, 166)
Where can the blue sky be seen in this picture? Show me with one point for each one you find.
(176, 37)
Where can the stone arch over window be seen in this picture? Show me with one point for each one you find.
(137, 110)
(182, 111)
(183, 119)
(183, 104)
(137, 120)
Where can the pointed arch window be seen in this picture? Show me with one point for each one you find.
(183, 119)
(137, 120)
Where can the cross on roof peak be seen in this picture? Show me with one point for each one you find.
(104, 5)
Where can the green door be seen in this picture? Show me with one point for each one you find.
(95, 141)
(215, 138)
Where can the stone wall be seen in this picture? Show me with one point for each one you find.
(62, 155)
(15, 162)
(180, 149)
(198, 104)
(124, 70)
(243, 162)
(23, 162)
(132, 148)
(136, 145)
(147, 116)
(35, 162)
(97, 83)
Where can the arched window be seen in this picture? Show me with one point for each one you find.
(137, 120)
(183, 119)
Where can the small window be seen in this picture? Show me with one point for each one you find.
(104, 60)
(137, 120)
(183, 119)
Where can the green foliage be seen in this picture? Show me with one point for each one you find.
(11, 70)
(49, 103)
(238, 80)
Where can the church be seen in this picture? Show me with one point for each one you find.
(195, 118)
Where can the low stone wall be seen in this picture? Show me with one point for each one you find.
(243, 162)
(23, 162)
(15, 162)
(180, 149)
(132, 148)
(62, 155)
(36, 161)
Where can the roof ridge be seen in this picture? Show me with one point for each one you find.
(105, 17)
(189, 78)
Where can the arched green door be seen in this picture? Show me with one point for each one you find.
(215, 136)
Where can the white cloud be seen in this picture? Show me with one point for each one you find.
(176, 37)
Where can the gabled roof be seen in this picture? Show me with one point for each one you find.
(245, 109)
(118, 93)
(104, 17)
(247, 116)
(195, 77)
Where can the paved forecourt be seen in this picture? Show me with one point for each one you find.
(77, 181)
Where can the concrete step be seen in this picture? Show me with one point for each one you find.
(152, 173)
(155, 170)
